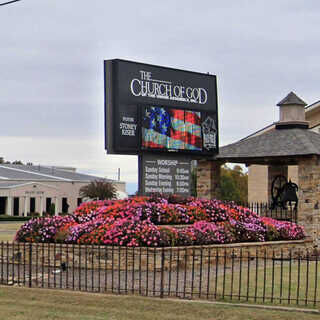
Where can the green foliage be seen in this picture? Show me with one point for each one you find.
(52, 209)
(233, 184)
(13, 218)
(99, 189)
(17, 162)
(272, 233)
(35, 214)
(2, 161)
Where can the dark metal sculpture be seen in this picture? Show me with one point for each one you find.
(283, 193)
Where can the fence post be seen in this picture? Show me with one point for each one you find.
(162, 271)
(2, 260)
(30, 265)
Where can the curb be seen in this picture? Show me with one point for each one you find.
(255, 306)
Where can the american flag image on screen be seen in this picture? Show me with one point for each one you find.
(171, 129)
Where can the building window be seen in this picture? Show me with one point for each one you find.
(48, 204)
(32, 205)
(65, 205)
(3, 205)
(16, 206)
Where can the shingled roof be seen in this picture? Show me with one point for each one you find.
(272, 145)
(42, 173)
(291, 99)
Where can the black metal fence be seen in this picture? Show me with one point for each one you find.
(266, 277)
(265, 209)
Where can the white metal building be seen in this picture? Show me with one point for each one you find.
(26, 189)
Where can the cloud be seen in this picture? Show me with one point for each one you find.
(88, 156)
(51, 62)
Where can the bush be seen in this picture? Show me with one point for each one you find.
(139, 222)
(248, 232)
(52, 209)
(14, 218)
(99, 189)
(169, 236)
(283, 230)
(204, 232)
(42, 229)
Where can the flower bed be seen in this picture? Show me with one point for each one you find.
(140, 222)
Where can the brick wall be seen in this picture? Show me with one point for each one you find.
(208, 179)
(309, 197)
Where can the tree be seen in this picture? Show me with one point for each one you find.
(99, 189)
(234, 184)
(17, 162)
(2, 161)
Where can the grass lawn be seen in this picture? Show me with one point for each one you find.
(11, 225)
(36, 304)
(281, 283)
(6, 236)
(8, 230)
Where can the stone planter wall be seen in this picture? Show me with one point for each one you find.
(123, 258)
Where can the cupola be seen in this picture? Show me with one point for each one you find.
(292, 113)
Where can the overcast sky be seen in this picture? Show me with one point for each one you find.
(51, 67)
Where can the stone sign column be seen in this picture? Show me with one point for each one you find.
(309, 196)
(208, 179)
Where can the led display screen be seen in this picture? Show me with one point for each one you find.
(173, 129)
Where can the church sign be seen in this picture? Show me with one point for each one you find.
(157, 109)
(164, 174)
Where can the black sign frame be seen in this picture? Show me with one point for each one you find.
(122, 107)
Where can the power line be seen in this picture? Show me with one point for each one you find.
(9, 2)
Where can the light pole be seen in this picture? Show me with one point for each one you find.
(8, 2)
